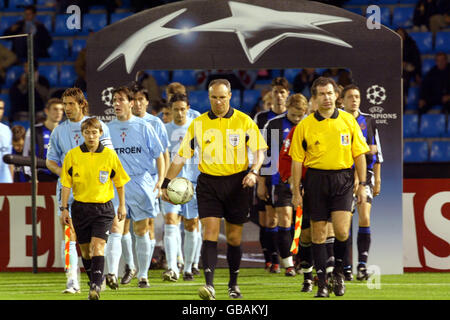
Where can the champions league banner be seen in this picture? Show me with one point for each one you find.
(265, 34)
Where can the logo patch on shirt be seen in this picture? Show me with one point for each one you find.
(103, 177)
(234, 139)
(345, 139)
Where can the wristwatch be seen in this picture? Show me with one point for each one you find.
(363, 183)
(254, 171)
(63, 208)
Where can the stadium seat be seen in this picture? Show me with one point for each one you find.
(161, 76)
(67, 76)
(18, 5)
(51, 73)
(235, 101)
(402, 17)
(6, 43)
(357, 2)
(94, 22)
(61, 28)
(45, 19)
(8, 21)
(443, 42)
(199, 100)
(355, 10)
(12, 75)
(290, 74)
(432, 125)
(410, 125)
(7, 100)
(186, 77)
(415, 151)
(119, 16)
(412, 100)
(385, 2)
(424, 41)
(77, 46)
(427, 64)
(25, 124)
(58, 51)
(440, 151)
(250, 98)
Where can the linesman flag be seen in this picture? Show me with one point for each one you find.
(66, 247)
(298, 229)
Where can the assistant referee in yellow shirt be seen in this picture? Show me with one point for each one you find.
(221, 137)
(90, 170)
(328, 142)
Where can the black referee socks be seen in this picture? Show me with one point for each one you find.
(97, 266)
(209, 260)
(87, 267)
(320, 259)
(234, 255)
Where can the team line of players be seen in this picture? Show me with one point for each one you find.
(155, 143)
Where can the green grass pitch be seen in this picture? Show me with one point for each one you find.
(255, 284)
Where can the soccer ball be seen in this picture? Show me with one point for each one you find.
(180, 190)
(376, 94)
(107, 96)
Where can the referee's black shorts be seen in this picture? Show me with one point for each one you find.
(223, 197)
(92, 220)
(327, 191)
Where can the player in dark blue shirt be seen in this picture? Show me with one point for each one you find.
(268, 221)
(277, 193)
(54, 111)
(351, 101)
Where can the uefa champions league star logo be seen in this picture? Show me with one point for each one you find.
(376, 94)
(247, 22)
(107, 96)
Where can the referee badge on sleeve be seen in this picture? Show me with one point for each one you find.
(103, 177)
(345, 139)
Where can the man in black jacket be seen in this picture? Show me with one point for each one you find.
(41, 36)
(435, 88)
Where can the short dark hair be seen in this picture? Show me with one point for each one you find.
(31, 7)
(322, 82)
(137, 88)
(175, 87)
(158, 105)
(280, 81)
(18, 132)
(178, 97)
(124, 89)
(351, 86)
(53, 101)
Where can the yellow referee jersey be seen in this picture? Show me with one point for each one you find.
(222, 142)
(328, 144)
(91, 174)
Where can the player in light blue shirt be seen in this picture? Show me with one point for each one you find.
(139, 149)
(65, 137)
(6, 171)
(177, 129)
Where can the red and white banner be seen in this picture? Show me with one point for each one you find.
(16, 237)
(426, 225)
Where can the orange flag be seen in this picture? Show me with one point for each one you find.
(66, 247)
(298, 229)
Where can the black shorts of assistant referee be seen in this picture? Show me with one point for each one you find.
(280, 195)
(92, 220)
(223, 197)
(327, 191)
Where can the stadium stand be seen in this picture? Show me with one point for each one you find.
(432, 129)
